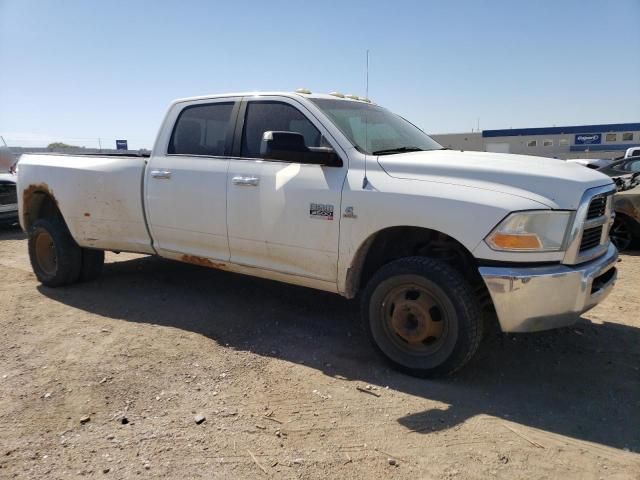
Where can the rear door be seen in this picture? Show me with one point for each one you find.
(185, 184)
(283, 216)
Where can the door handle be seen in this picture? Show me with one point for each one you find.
(245, 181)
(161, 174)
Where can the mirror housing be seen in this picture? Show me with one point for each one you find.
(291, 147)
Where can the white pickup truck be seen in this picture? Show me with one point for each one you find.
(341, 195)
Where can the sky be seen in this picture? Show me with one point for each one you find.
(76, 71)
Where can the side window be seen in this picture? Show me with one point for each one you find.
(274, 116)
(633, 166)
(202, 130)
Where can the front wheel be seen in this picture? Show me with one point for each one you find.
(422, 316)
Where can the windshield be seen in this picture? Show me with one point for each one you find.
(375, 130)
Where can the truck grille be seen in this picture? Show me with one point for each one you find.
(597, 207)
(591, 237)
(8, 194)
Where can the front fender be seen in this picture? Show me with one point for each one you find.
(467, 214)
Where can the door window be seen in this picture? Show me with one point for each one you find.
(202, 130)
(633, 166)
(274, 116)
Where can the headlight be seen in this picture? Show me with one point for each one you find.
(534, 231)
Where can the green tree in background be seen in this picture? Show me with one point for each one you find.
(61, 145)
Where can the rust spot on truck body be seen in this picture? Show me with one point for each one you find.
(34, 189)
(202, 261)
(34, 199)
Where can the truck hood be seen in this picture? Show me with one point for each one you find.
(551, 182)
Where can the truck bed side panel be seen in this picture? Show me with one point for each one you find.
(100, 197)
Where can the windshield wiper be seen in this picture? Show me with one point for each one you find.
(389, 151)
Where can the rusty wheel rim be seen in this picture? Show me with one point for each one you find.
(415, 320)
(46, 253)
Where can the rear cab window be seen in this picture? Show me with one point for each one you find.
(203, 129)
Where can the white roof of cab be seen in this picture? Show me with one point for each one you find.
(260, 94)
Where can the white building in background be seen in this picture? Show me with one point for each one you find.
(578, 141)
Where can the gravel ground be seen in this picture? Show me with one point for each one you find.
(168, 370)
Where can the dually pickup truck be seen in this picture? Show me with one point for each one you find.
(338, 194)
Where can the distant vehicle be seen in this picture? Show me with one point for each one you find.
(8, 180)
(8, 199)
(594, 163)
(632, 152)
(626, 202)
(620, 168)
(293, 187)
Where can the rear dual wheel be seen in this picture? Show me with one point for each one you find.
(422, 316)
(57, 259)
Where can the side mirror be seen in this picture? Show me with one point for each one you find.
(291, 147)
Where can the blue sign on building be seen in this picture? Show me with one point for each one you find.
(588, 139)
(122, 145)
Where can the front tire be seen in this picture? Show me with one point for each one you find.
(422, 316)
(55, 257)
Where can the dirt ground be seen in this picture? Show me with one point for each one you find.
(104, 380)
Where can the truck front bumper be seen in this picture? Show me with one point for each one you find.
(541, 298)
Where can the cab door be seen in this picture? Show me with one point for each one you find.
(185, 186)
(283, 216)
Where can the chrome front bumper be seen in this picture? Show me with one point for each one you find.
(541, 298)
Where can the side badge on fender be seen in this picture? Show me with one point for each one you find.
(348, 213)
(321, 211)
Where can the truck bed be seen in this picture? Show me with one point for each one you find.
(100, 196)
(112, 154)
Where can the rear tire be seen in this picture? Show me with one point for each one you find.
(55, 256)
(92, 263)
(422, 316)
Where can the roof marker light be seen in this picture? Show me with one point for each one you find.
(303, 90)
(337, 94)
(352, 97)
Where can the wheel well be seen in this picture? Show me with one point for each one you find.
(399, 242)
(39, 204)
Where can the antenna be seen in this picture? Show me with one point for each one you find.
(365, 180)
(367, 77)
